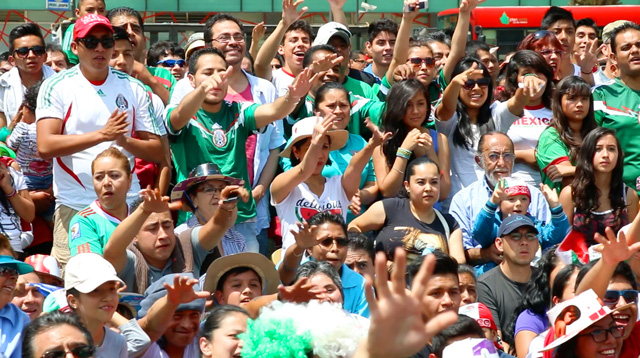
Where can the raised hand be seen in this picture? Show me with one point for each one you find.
(499, 193)
(153, 202)
(469, 5)
(411, 140)
(290, 12)
(321, 128)
(398, 325)
(302, 84)
(300, 292)
(410, 10)
(587, 58)
(231, 191)
(614, 249)
(471, 73)
(550, 195)
(116, 126)
(258, 32)
(532, 86)
(182, 290)
(377, 137)
(306, 235)
(326, 63)
(217, 80)
(337, 4)
(403, 72)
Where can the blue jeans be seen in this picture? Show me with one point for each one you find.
(263, 241)
(248, 230)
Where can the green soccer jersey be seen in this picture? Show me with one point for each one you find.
(217, 138)
(67, 39)
(90, 229)
(617, 106)
(551, 150)
(164, 76)
(361, 89)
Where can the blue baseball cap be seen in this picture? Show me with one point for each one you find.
(513, 222)
(19, 266)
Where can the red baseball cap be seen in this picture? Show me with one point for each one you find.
(86, 23)
(481, 313)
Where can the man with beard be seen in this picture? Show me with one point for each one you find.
(496, 156)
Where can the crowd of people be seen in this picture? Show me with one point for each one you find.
(298, 198)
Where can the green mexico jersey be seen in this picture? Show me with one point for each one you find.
(67, 39)
(617, 106)
(217, 138)
(164, 76)
(90, 229)
(551, 150)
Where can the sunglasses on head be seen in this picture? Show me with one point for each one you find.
(23, 52)
(611, 297)
(171, 63)
(481, 82)
(418, 61)
(82, 351)
(92, 42)
(540, 34)
(340, 242)
(7, 271)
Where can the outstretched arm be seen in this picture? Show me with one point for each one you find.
(401, 48)
(337, 11)
(459, 38)
(290, 13)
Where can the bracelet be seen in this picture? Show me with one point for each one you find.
(530, 74)
(294, 253)
(403, 153)
(398, 170)
(11, 194)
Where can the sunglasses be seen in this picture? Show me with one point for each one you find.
(23, 52)
(328, 242)
(482, 83)
(611, 297)
(171, 63)
(515, 236)
(540, 34)
(507, 157)
(83, 351)
(600, 335)
(6, 271)
(92, 42)
(418, 61)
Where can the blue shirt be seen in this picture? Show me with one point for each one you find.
(468, 202)
(369, 70)
(12, 322)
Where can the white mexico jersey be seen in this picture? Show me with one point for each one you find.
(85, 107)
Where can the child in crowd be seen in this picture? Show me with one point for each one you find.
(512, 196)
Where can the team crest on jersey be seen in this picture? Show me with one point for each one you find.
(219, 138)
(75, 231)
(121, 102)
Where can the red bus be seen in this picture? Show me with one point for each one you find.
(506, 26)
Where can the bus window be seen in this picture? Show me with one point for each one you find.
(447, 22)
(508, 39)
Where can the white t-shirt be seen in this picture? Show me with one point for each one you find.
(464, 170)
(525, 133)
(10, 221)
(301, 204)
(282, 80)
(190, 351)
(114, 345)
(85, 107)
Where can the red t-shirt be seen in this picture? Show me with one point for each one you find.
(631, 345)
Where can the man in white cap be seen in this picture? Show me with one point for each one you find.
(609, 71)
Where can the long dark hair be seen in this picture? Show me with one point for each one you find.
(216, 316)
(393, 118)
(571, 87)
(528, 58)
(463, 136)
(584, 184)
(411, 171)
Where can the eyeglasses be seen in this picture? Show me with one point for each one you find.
(83, 351)
(210, 189)
(611, 297)
(23, 52)
(516, 236)
(6, 271)
(471, 84)
(171, 63)
(540, 34)
(546, 53)
(507, 157)
(92, 42)
(224, 39)
(418, 61)
(328, 242)
(600, 335)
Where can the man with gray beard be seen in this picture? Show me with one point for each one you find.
(496, 156)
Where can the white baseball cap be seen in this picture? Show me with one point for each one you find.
(86, 272)
(330, 29)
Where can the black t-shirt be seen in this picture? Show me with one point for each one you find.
(501, 295)
(424, 353)
(401, 228)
